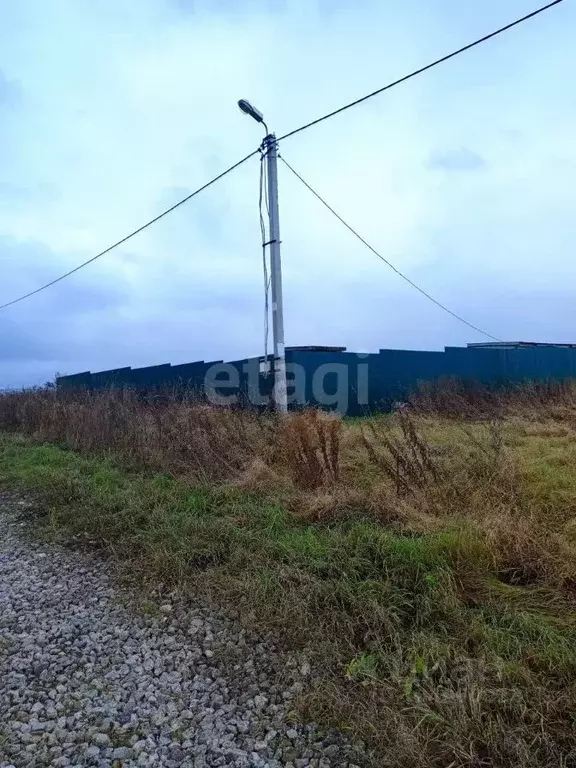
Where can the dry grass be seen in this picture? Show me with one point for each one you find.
(427, 558)
(182, 438)
(454, 398)
(310, 447)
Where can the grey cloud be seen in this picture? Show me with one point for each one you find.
(206, 211)
(83, 297)
(456, 160)
(28, 373)
(80, 323)
(120, 143)
(20, 344)
(27, 265)
(38, 335)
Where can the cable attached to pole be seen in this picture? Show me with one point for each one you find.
(286, 136)
(382, 258)
(423, 69)
(132, 234)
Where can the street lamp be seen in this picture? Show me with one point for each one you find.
(248, 109)
(270, 152)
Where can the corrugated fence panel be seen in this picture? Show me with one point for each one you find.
(481, 365)
(322, 378)
(344, 381)
(75, 380)
(189, 375)
(116, 377)
(539, 363)
(394, 373)
(150, 377)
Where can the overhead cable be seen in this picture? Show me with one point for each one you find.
(132, 234)
(422, 69)
(382, 258)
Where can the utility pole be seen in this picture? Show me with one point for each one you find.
(280, 394)
(270, 146)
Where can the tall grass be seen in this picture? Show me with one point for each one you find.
(179, 436)
(426, 560)
(457, 398)
(173, 436)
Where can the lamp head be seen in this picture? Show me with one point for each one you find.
(248, 109)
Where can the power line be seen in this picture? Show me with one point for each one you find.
(423, 69)
(388, 263)
(285, 136)
(132, 234)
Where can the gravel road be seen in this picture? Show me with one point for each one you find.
(88, 677)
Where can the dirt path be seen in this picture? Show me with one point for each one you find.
(86, 679)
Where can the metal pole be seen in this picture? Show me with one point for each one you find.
(280, 394)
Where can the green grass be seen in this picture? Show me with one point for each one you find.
(417, 643)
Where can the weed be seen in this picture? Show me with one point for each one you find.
(310, 444)
(363, 667)
(424, 560)
(149, 608)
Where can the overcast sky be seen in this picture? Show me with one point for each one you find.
(112, 110)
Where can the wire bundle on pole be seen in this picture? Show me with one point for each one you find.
(267, 275)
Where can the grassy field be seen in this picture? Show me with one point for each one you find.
(427, 559)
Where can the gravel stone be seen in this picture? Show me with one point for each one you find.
(122, 753)
(87, 678)
(101, 739)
